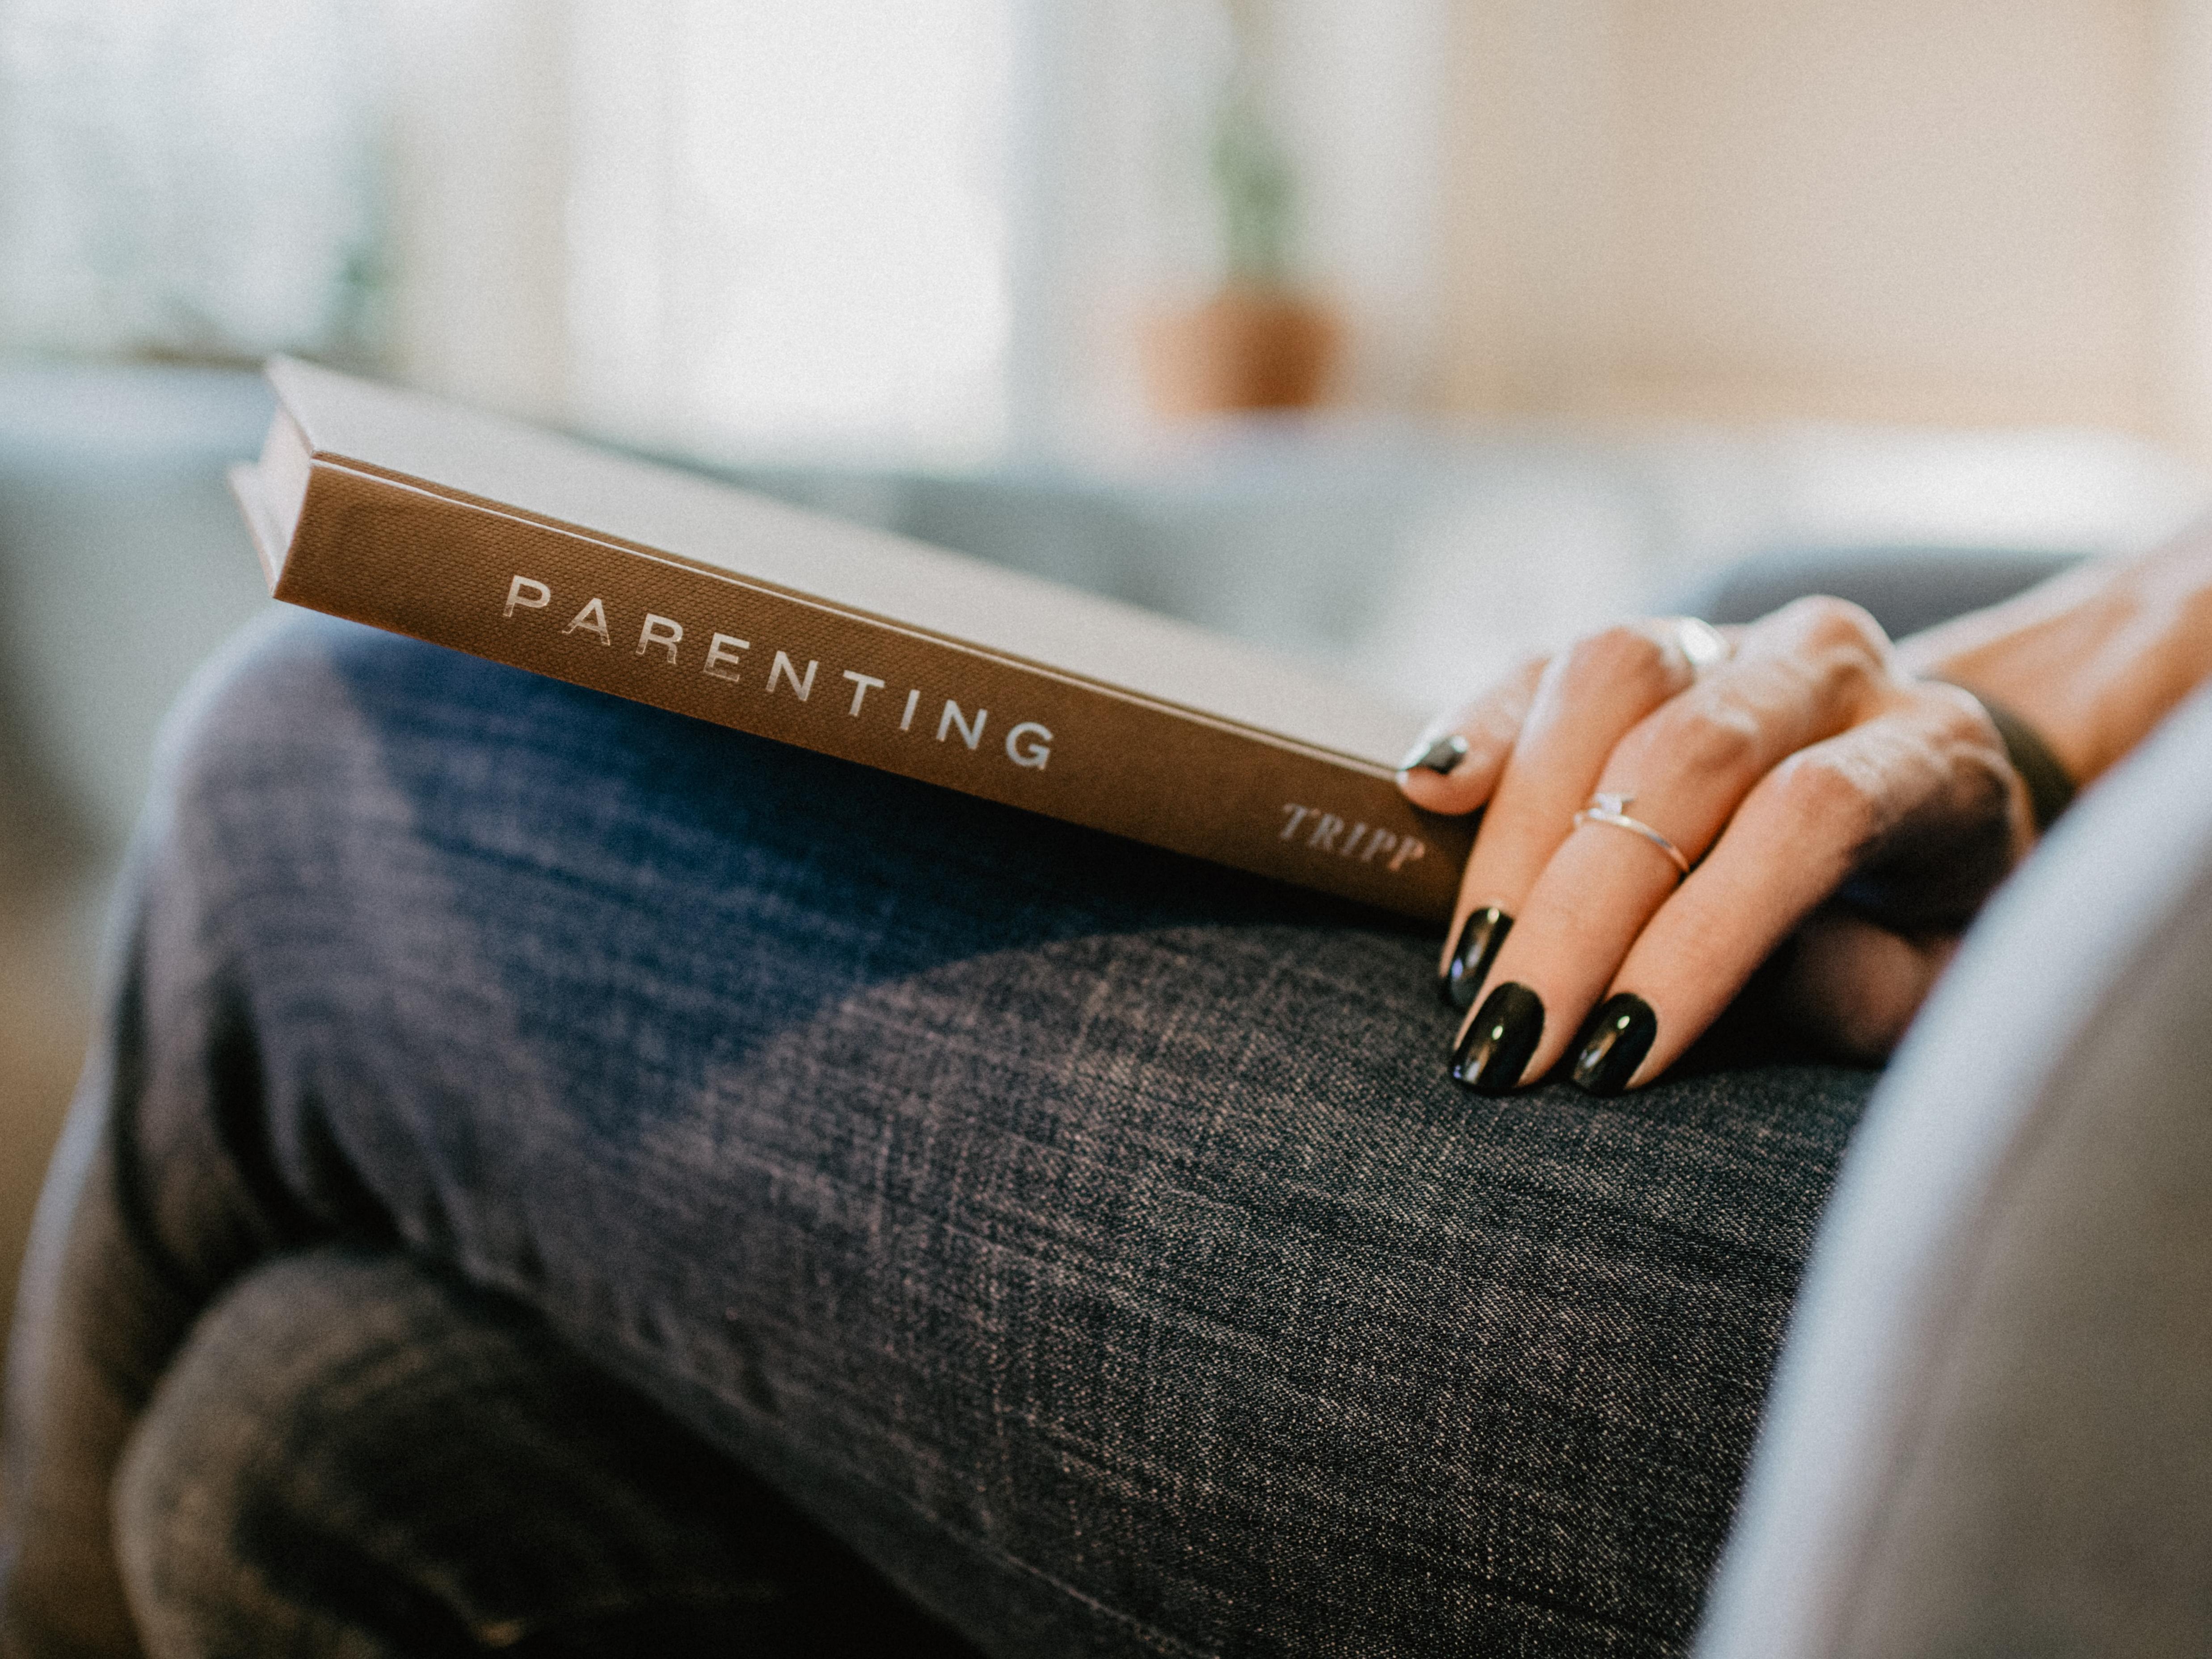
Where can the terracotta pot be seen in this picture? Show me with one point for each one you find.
(1243, 348)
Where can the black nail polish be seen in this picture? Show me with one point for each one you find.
(1442, 756)
(1495, 1051)
(1612, 1044)
(1479, 936)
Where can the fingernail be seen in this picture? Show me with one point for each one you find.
(1495, 1051)
(1479, 936)
(1441, 756)
(1612, 1044)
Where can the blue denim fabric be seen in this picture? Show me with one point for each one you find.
(1088, 1238)
(356, 1453)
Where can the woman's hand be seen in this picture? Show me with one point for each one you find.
(1809, 784)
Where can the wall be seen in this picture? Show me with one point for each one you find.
(1990, 212)
(1974, 211)
(593, 200)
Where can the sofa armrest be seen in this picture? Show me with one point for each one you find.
(1991, 1429)
(1906, 588)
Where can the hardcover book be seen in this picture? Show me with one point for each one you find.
(494, 538)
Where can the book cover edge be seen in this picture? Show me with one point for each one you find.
(247, 485)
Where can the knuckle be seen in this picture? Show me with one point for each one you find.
(1614, 654)
(1828, 621)
(1984, 781)
(1704, 736)
(1823, 787)
(1959, 729)
(1957, 714)
(1846, 631)
(1838, 651)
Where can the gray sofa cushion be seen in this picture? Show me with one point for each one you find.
(1991, 1430)
(1906, 588)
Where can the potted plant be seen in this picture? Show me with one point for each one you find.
(1259, 341)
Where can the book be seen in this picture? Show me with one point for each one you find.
(492, 537)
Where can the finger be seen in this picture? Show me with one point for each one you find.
(1852, 987)
(1922, 768)
(1579, 705)
(1440, 776)
(1681, 772)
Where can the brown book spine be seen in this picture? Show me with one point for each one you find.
(648, 625)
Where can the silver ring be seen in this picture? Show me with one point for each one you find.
(1701, 644)
(1608, 810)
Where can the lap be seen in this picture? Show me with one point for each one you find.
(1091, 1237)
(356, 1452)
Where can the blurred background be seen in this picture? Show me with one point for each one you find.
(1406, 335)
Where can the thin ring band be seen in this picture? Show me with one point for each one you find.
(1606, 810)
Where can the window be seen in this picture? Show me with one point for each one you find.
(788, 225)
(186, 177)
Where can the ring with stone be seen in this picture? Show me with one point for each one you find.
(1702, 645)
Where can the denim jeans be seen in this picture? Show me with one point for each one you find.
(541, 1149)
